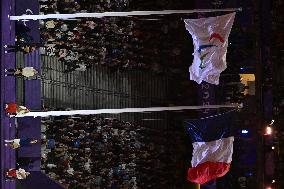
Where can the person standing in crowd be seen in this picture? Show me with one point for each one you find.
(12, 109)
(17, 143)
(25, 47)
(26, 72)
(51, 24)
(17, 173)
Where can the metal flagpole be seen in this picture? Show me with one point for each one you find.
(124, 110)
(118, 14)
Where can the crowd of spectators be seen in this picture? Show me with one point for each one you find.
(82, 43)
(95, 153)
(85, 42)
(118, 42)
(75, 6)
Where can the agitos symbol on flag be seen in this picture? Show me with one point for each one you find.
(210, 39)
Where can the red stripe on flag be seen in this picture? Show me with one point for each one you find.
(218, 36)
(207, 171)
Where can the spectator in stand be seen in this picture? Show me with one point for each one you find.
(17, 143)
(26, 72)
(17, 174)
(13, 109)
(25, 48)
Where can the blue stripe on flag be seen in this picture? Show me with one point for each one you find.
(210, 128)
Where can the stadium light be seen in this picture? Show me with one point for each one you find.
(268, 130)
(244, 131)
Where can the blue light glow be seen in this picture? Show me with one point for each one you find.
(244, 131)
(248, 174)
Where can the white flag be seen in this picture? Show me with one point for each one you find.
(210, 39)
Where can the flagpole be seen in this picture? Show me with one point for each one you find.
(124, 110)
(118, 14)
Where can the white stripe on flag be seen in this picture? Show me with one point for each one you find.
(214, 151)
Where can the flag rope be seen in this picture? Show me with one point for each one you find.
(124, 110)
(118, 14)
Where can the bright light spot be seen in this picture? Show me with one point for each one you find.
(273, 181)
(268, 130)
(244, 131)
(268, 187)
(241, 68)
(272, 147)
(248, 174)
(272, 121)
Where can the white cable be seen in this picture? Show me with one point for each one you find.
(123, 110)
(119, 14)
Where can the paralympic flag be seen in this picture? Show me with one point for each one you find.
(210, 39)
(212, 140)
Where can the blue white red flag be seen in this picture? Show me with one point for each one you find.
(210, 39)
(212, 140)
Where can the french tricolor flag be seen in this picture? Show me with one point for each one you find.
(212, 140)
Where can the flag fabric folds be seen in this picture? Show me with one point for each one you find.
(210, 39)
(212, 140)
